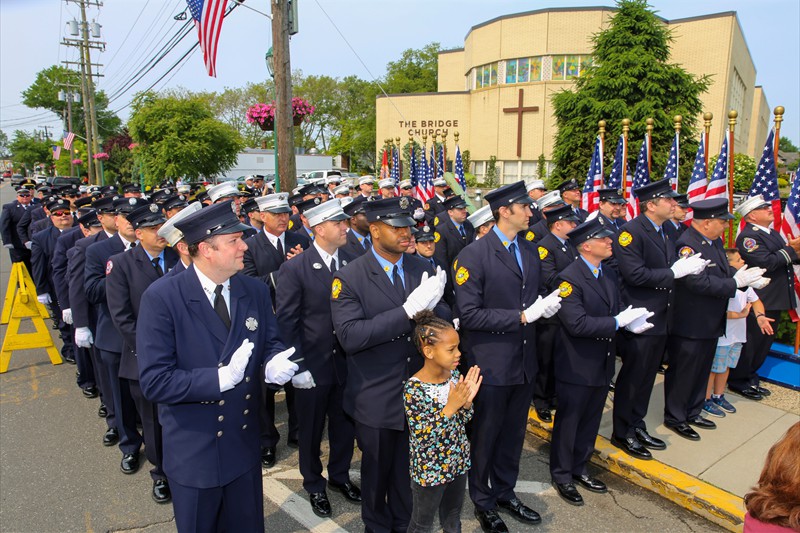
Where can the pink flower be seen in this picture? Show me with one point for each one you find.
(102, 156)
(265, 113)
(77, 161)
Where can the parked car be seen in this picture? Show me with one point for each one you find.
(17, 179)
(318, 176)
(59, 181)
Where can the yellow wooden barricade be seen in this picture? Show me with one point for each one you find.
(21, 302)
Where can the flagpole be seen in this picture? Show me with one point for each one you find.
(732, 114)
(677, 119)
(626, 126)
(707, 116)
(649, 129)
(444, 151)
(778, 119)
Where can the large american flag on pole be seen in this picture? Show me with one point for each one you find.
(718, 183)
(671, 171)
(590, 199)
(424, 182)
(395, 174)
(696, 190)
(615, 178)
(459, 170)
(640, 178)
(68, 140)
(56, 152)
(765, 181)
(208, 16)
(412, 167)
(440, 163)
(789, 229)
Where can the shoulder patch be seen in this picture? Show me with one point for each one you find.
(462, 275)
(291, 224)
(625, 238)
(749, 244)
(529, 236)
(565, 289)
(455, 265)
(336, 288)
(435, 221)
(109, 266)
(426, 206)
(685, 251)
(543, 252)
(436, 236)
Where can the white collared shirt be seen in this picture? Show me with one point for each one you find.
(273, 239)
(326, 257)
(127, 243)
(209, 287)
(762, 228)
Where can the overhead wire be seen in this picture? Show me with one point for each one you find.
(130, 30)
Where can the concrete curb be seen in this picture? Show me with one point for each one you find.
(714, 504)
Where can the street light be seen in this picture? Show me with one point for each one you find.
(270, 59)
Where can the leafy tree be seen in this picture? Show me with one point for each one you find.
(541, 167)
(744, 170)
(466, 160)
(63, 164)
(119, 166)
(356, 124)
(28, 150)
(629, 77)
(786, 145)
(4, 151)
(415, 72)
(43, 92)
(180, 137)
(491, 173)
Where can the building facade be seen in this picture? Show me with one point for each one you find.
(495, 91)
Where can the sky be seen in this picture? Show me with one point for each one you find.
(336, 38)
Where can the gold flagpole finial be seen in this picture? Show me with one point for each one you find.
(677, 119)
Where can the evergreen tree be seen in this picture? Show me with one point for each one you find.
(630, 77)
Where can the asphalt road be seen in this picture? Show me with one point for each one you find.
(55, 475)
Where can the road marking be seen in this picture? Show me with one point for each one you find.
(298, 508)
(88, 518)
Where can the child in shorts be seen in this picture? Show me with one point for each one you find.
(729, 346)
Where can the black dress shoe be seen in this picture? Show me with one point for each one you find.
(661, 369)
(520, 511)
(111, 437)
(161, 492)
(268, 457)
(130, 463)
(70, 360)
(749, 393)
(762, 391)
(320, 504)
(685, 431)
(103, 411)
(649, 441)
(491, 522)
(569, 493)
(632, 447)
(591, 483)
(544, 415)
(293, 443)
(612, 386)
(90, 392)
(350, 491)
(702, 423)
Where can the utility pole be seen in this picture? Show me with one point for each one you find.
(68, 96)
(90, 84)
(284, 127)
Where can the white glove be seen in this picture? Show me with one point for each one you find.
(303, 380)
(629, 315)
(83, 337)
(66, 316)
(640, 324)
(543, 307)
(232, 374)
(745, 276)
(760, 283)
(28, 245)
(44, 298)
(426, 296)
(441, 277)
(419, 214)
(456, 323)
(280, 370)
(8, 246)
(686, 266)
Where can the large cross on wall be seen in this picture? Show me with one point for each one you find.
(519, 110)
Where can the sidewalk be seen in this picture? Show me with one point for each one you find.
(709, 477)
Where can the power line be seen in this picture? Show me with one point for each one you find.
(122, 45)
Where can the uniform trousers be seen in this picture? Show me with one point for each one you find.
(83, 360)
(269, 433)
(103, 383)
(130, 441)
(575, 428)
(153, 443)
(754, 352)
(237, 506)
(686, 378)
(641, 358)
(498, 433)
(316, 404)
(544, 390)
(21, 255)
(64, 331)
(385, 480)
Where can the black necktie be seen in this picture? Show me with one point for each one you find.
(462, 232)
(367, 243)
(280, 250)
(513, 249)
(398, 282)
(220, 308)
(433, 263)
(157, 265)
(133, 245)
(333, 264)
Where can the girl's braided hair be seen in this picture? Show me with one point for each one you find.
(428, 329)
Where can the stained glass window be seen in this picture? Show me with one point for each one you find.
(523, 74)
(536, 69)
(559, 63)
(493, 74)
(573, 63)
(511, 71)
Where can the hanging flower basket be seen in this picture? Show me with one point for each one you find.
(102, 156)
(77, 161)
(263, 115)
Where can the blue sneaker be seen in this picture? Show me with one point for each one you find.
(712, 409)
(723, 404)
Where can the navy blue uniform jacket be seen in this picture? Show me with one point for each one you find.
(352, 246)
(59, 262)
(644, 259)
(303, 309)
(42, 245)
(588, 329)
(84, 314)
(210, 437)
(9, 219)
(261, 258)
(491, 293)
(97, 255)
(450, 243)
(375, 333)
(768, 250)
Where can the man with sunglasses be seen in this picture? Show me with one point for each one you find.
(11, 215)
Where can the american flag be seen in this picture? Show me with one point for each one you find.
(590, 200)
(789, 230)
(412, 167)
(615, 178)
(395, 174)
(423, 184)
(696, 190)
(765, 181)
(208, 16)
(640, 178)
(671, 172)
(718, 184)
(440, 164)
(56, 152)
(70, 137)
(460, 170)
(429, 175)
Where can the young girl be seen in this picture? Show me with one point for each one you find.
(438, 404)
